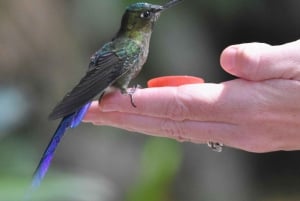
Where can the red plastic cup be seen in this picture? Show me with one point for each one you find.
(174, 80)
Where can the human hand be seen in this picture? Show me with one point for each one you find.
(259, 112)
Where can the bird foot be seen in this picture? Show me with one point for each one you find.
(130, 93)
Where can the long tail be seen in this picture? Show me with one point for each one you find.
(70, 121)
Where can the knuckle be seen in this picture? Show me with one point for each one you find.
(247, 61)
(177, 109)
(250, 59)
(174, 129)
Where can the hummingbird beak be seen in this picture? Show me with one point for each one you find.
(157, 8)
(171, 3)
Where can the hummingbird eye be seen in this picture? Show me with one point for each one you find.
(145, 14)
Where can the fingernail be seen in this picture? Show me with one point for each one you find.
(228, 57)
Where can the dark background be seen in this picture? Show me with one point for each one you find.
(44, 50)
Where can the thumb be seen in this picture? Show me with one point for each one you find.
(260, 61)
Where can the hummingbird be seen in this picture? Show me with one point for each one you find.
(111, 67)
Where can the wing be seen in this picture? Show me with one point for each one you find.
(104, 70)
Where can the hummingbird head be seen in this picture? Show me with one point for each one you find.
(142, 16)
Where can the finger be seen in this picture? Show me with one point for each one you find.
(244, 136)
(225, 102)
(197, 132)
(171, 102)
(259, 61)
(195, 102)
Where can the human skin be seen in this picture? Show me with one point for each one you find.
(258, 112)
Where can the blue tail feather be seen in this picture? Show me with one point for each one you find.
(79, 115)
(49, 152)
(70, 121)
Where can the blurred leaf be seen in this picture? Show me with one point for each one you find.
(160, 162)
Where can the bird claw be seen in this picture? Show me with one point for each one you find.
(130, 93)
